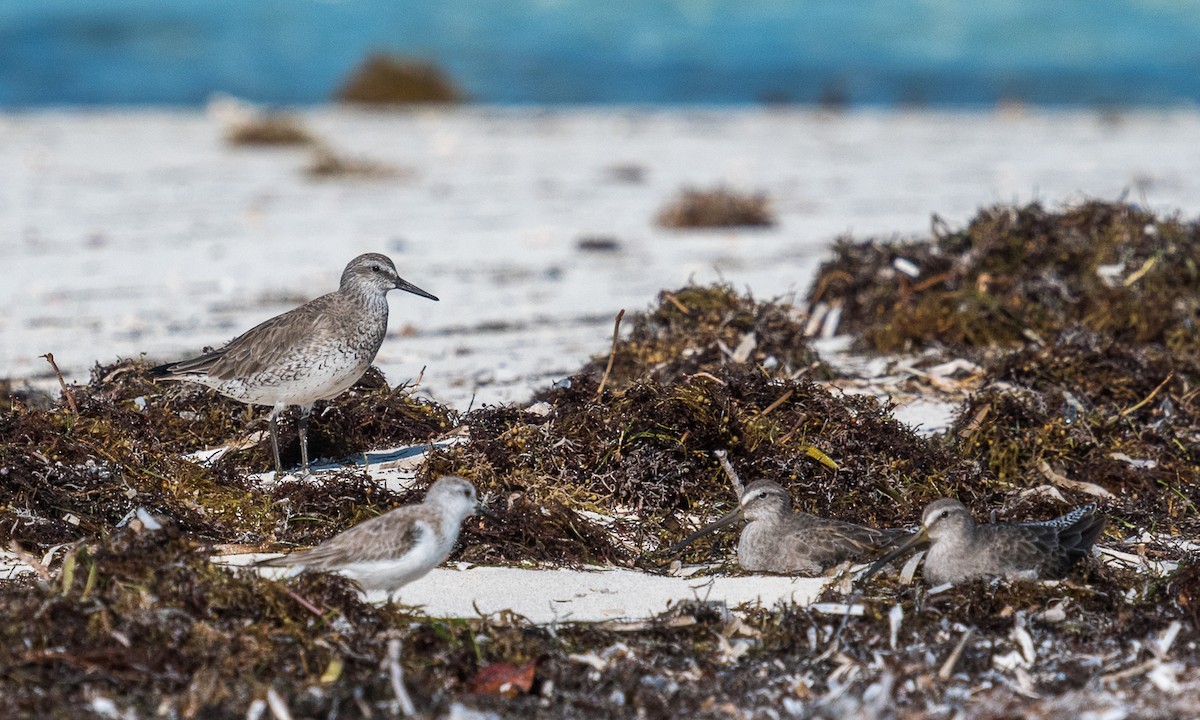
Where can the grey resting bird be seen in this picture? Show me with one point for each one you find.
(312, 353)
(960, 549)
(778, 539)
(397, 547)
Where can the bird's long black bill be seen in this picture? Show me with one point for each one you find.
(726, 519)
(913, 540)
(488, 515)
(406, 286)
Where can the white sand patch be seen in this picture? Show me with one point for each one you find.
(598, 594)
(546, 596)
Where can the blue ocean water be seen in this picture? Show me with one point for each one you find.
(878, 52)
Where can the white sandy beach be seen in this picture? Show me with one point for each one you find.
(128, 232)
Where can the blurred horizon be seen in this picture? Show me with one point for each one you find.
(934, 53)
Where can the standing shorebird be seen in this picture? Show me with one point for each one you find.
(399, 546)
(960, 549)
(779, 540)
(308, 354)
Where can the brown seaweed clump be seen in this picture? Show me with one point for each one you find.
(1088, 408)
(384, 79)
(1022, 274)
(699, 329)
(269, 130)
(143, 621)
(719, 207)
(328, 164)
(65, 476)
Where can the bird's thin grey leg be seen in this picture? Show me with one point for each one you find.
(305, 410)
(275, 440)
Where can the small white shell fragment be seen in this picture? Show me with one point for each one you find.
(895, 618)
(908, 267)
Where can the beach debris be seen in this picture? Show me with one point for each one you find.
(716, 208)
(1017, 274)
(383, 79)
(598, 244)
(247, 124)
(326, 163)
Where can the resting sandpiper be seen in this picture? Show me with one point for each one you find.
(779, 540)
(960, 549)
(314, 352)
(399, 546)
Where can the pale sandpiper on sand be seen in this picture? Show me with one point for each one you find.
(314, 352)
(960, 549)
(402, 545)
(779, 540)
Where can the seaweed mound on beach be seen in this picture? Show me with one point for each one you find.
(142, 624)
(272, 129)
(78, 472)
(383, 79)
(716, 208)
(701, 329)
(1021, 274)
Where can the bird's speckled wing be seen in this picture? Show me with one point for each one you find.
(828, 541)
(1074, 534)
(261, 346)
(1020, 547)
(385, 537)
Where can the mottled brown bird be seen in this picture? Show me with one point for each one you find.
(960, 548)
(778, 539)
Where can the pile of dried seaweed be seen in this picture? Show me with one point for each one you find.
(383, 79)
(1087, 410)
(68, 475)
(719, 207)
(1021, 274)
(696, 330)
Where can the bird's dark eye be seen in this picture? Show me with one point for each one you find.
(377, 268)
(945, 513)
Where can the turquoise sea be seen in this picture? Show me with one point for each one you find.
(853, 52)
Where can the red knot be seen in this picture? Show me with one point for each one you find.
(312, 353)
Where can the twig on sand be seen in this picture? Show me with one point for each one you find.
(303, 603)
(396, 674)
(278, 705)
(611, 355)
(25, 557)
(738, 488)
(63, 384)
(1148, 398)
(778, 401)
(677, 303)
(947, 668)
